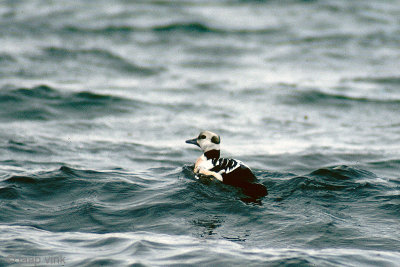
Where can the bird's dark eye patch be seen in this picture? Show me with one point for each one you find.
(215, 139)
(202, 136)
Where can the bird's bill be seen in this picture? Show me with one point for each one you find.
(192, 141)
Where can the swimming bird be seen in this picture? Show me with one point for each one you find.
(228, 171)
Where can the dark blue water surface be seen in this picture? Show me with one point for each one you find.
(98, 97)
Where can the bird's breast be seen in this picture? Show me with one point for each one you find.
(202, 163)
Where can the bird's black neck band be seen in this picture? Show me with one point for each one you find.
(212, 154)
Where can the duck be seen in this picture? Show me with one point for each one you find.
(229, 171)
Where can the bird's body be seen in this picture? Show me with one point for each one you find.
(229, 171)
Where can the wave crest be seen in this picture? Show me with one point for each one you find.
(46, 103)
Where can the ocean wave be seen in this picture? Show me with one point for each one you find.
(94, 55)
(331, 182)
(385, 80)
(86, 200)
(170, 200)
(388, 165)
(317, 39)
(195, 27)
(110, 29)
(8, 192)
(6, 58)
(46, 103)
(69, 199)
(368, 39)
(342, 180)
(316, 97)
(156, 249)
(174, 27)
(199, 27)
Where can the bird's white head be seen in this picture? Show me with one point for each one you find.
(206, 141)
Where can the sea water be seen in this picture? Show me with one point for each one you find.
(97, 99)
